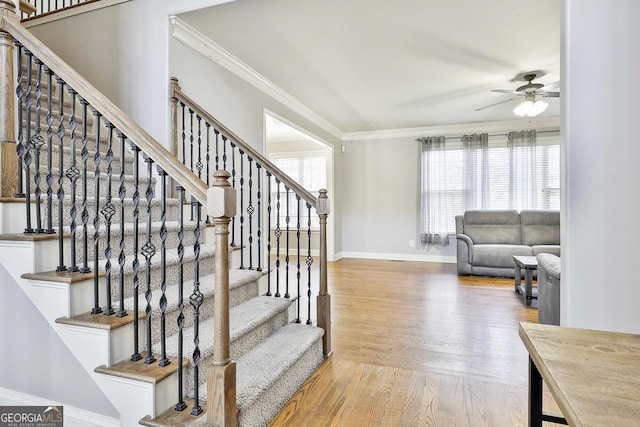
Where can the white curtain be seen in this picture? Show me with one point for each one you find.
(435, 215)
(523, 184)
(476, 169)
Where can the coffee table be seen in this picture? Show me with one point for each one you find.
(529, 264)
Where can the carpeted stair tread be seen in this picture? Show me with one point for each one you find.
(243, 318)
(237, 278)
(261, 367)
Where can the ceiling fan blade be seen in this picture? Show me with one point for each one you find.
(550, 94)
(493, 105)
(513, 92)
(548, 87)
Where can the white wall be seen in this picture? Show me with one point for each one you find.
(34, 359)
(601, 196)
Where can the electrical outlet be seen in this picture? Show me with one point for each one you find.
(412, 243)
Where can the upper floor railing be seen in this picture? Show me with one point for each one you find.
(30, 9)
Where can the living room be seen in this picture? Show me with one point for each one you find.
(595, 68)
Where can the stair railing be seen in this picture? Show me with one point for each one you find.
(30, 100)
(31, 9)
(203, 144)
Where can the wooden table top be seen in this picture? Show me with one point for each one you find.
(594, 376)
(526, 261)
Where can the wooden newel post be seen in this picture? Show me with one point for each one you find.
(324, 299)
(173, 87)
(8, 153)
(221, 374)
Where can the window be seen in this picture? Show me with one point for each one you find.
(308, 170)
(497, 176)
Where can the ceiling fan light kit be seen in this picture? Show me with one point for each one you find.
(530, 107)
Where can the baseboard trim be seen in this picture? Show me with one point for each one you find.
(400, 257)
(72, 416)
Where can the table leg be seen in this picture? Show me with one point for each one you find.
(517, 278)
(528, 283)
(535, 395)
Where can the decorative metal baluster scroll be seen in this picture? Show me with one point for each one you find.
(49, 178)
(181, 405)
(286, 258)
(278, 233)
(269, 234)
(149, 250)
(136, 262)
(122, 193)
(27, 143)
(73, 174)
(37, 141)
(60, 193)
(108, 310)
(241, 209)
(309, 263)
(164, 360)
(108, 210)
(196, 300)
(84, 153)
(259, 233)
(250, 210)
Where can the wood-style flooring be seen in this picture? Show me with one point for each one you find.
(416, 345)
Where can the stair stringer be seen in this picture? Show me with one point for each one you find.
(133, 399)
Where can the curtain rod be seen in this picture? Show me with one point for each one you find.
(420, 139)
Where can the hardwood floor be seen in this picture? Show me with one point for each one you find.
(416, 345)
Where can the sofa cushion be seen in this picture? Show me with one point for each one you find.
(540, 227)
(546, 249)
(493, 227)
(498, 255)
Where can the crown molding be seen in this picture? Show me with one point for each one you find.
(194, 39)
(539, 123)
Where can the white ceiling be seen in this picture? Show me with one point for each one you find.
(369, 65)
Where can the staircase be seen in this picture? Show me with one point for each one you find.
(130, 260)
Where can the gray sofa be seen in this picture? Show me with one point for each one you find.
(487, 240)
(548, 289)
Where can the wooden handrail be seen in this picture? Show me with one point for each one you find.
(244, 146)
(27, 7)
(149, 146)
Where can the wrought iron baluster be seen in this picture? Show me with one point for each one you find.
(37, 141)
(250, 210)
(298, 209)
(184, 144)
(191, 140)
(208, 157)
(136, 262)
(84, 153)
(217, 148)
(309, 261)
(108, 311)
(277, 233)
(61, 174)
(122, 193)
(199, 164)
(224, 152)
(108, 210)
(149, 250)
(196, 299)
(241, 209)
(73, 174)
(27, 144)
(233, 184)
(286, 258)
(268, 233)
(259, 231)
(49, 178)
(164, 360)
(20, 145)
(181, 405)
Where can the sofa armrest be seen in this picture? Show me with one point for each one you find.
(464, 254)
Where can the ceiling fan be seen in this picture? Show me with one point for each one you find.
(530, 107)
